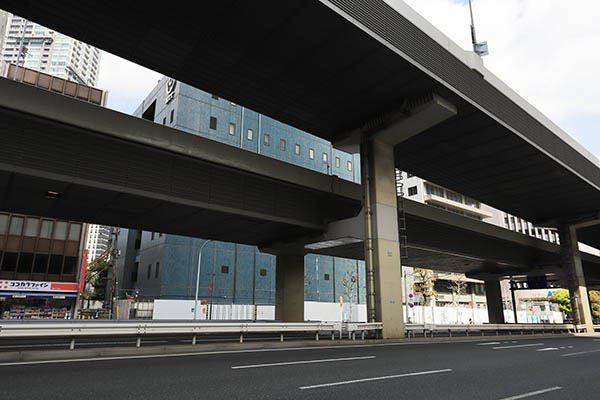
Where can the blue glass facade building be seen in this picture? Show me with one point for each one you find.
(165, 265)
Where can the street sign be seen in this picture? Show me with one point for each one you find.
(411, 305)
(210, 287)
(131, 297)
(410, 295)
(204, 302)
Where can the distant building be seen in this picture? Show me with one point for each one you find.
(98, 240)
(39, 48)
(3, 24)
(423, 191)
(40, 261)
(165, 266)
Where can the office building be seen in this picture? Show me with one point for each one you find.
(39, 48)
(39, 265)
(165, 266)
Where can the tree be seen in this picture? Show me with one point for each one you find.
(595, 303)
(458, 286)
(99, 285)
(424, 285)
(349, 281)
(563, 299)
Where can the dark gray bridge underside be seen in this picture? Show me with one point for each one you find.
(332, 66)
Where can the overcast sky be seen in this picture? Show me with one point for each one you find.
(546, 50)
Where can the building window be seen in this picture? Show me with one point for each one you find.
(349, 165)
(267, 139)
(450, 195)
(325, 158)
(412, 190)
(232, 129)
(326, 277)
(151, 235)
(149, 271)
(172, 116)
(215, 97)
(434, 190)
(164, 120)
(224, 269)
(250, 135)
(157, 270)
(282, 144)
(297, 149)
(263, 272)
(311, 154)
(337, 162)
(213, 123)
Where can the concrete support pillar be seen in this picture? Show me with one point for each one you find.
(493, 296)
(289, 288)
(571, 262)
(382, 249)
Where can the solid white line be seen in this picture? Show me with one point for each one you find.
(301, 362)
(548, 349)
(524, 395)
(579, 352)
(374, 379)
(488, 343)
(517, 345)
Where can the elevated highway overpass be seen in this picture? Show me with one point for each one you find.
(364, 75)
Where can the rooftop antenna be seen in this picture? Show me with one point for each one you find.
(481, 49)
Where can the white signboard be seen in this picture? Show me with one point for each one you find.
(38, 286)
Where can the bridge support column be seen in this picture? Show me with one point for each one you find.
(382, 249)
(571, 262)
(289, 288)
(493, 296)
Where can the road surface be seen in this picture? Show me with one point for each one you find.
(564, 367)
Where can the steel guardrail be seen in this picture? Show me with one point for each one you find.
(139, 329)
(482, 329)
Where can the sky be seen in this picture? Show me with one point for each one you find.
(546, 50)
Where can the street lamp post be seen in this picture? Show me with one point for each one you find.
(198, 277)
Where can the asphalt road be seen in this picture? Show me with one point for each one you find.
(536, 368)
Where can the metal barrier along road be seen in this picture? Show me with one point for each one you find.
(139, 329)
(487, 329)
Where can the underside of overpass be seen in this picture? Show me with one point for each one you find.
(113, 169)
(444, 241)
(359, 63)
(347, 69)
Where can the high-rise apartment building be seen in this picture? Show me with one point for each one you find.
(98, 240)
(3, 23)
(39, 48)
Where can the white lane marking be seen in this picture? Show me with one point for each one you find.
(204, 353)
(530, 394)
(579, 352)
(302, 362)
(549, 349)
(517, 345)
(378, 378)
(488, 343)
